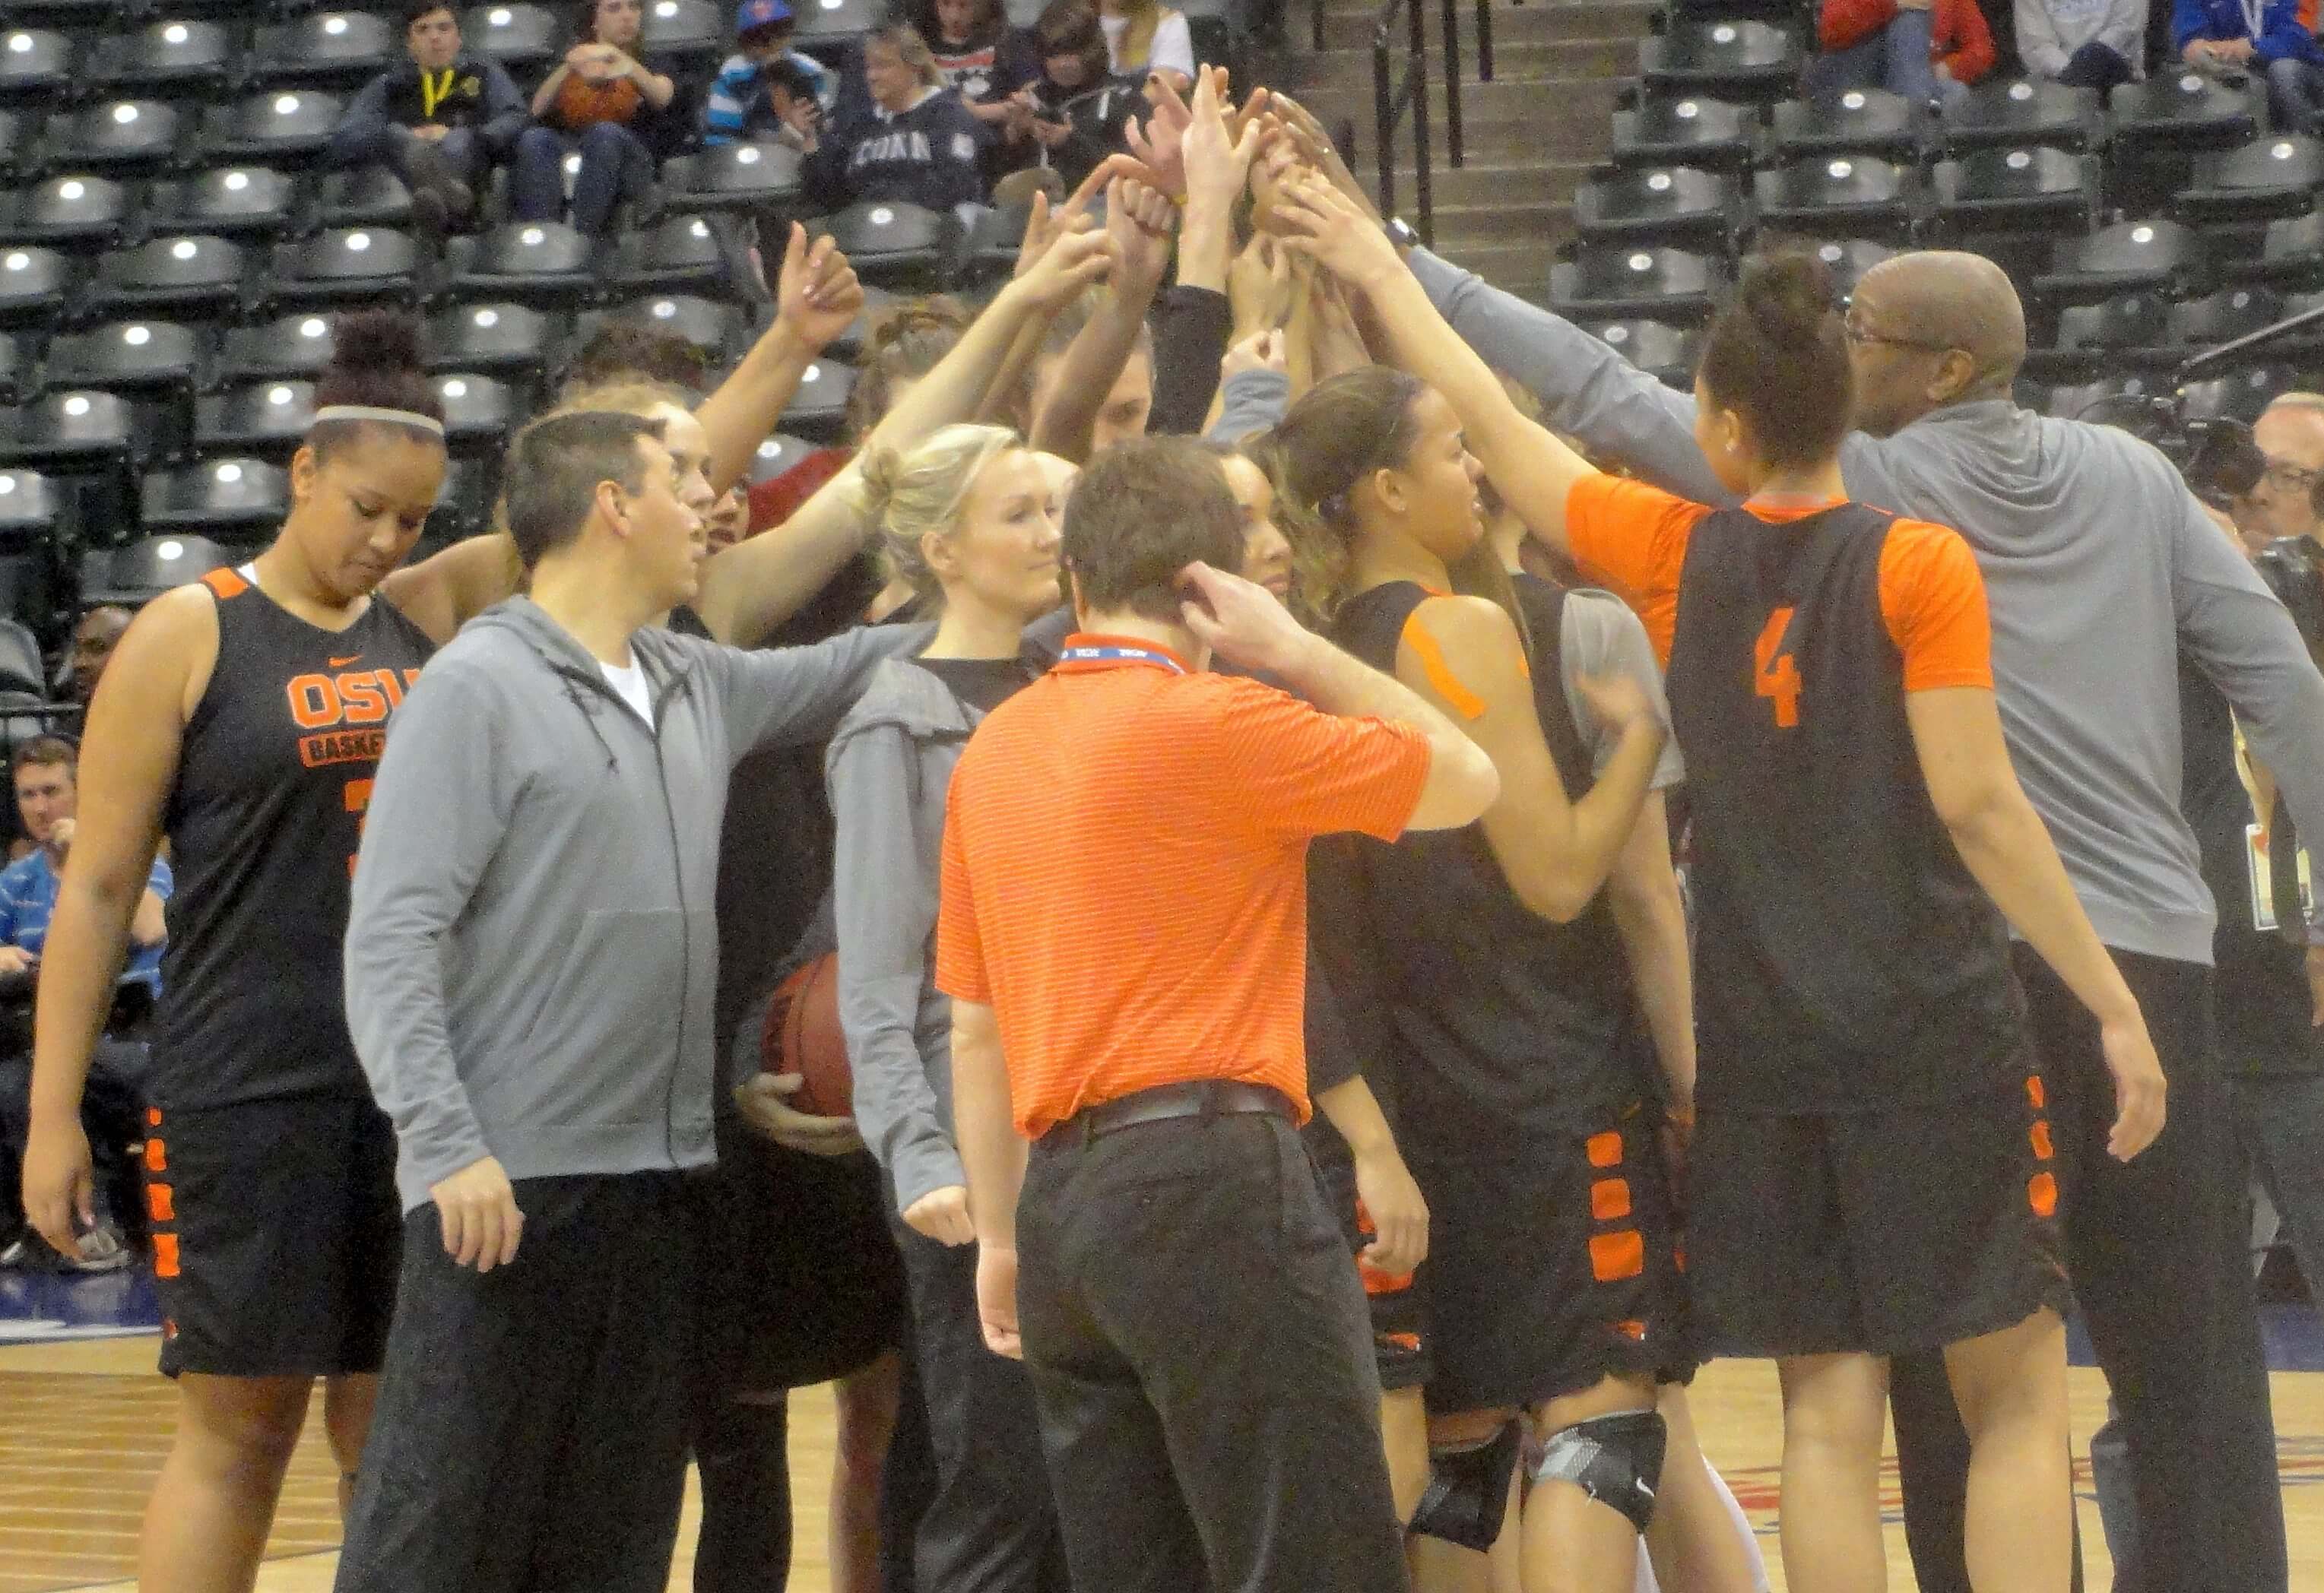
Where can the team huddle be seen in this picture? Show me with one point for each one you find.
(1321, 1137)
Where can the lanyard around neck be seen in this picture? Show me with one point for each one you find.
(434, 93)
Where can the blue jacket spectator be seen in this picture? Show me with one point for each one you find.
(916, 145)
(439, 119)
(739, 105)
(46, 775)
(2274, 37)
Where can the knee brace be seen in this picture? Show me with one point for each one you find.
(1617, 1459)
(1469, 1490)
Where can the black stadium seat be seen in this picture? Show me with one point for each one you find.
(2187, 110)
(1996, 189)
(492, 339)
(2130, 255)
(1854, 121)
(819, 409)
(2238, 396)
(690, 37)
(1741, 60)
(525, 39)
(2128, 331)
(265, 418)
(1849, 259)
(896, 245)
(237, 501)
(2291, 253)
(531, 262)
(1657, 284)
(119, 136)
(826, 27)
(345, 266)
(35, 64)
(478, 411)
(2231, 313)
(1677, 206)
(677, 256)
(136, 574)
(20, 137)
(759, 176)
(128, 356)
(991, 249)
(287, 127)
(36, 283)
(192, 274)
(291, 345)
(335, 50)
(1660, 350)
(365, 196)
(1694, 130)
(1826, 194)
(81, 211)
(68, 428)
(185, 58)
(230, 202)
(33, 509)
(16, 366)
(2271, 176)
(2001, 114)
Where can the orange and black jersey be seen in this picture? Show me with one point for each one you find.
(1846, 959)
(272, 780)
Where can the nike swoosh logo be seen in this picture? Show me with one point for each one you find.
(343, 663)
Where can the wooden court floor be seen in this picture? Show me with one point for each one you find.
(83, 1427)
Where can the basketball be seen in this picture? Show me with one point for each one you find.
(802, 1035)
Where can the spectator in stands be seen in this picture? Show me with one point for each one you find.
(916, 145)
(2291, 434)
(2083, 43)
(980, 56)
(603, 103)
(439, 119)
(1146, 38)
(1925, 50)
(93, 641)
(44, 770)
(1075, 113)
(741, 103)
(2273, 39)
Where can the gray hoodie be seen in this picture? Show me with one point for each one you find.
(2099, 565)
(888, 769)
(531, 950)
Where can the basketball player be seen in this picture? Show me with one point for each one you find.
(1872, 1172)
(243, 717)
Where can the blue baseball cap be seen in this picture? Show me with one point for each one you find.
(759, 13)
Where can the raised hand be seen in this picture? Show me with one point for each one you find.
(1214, 163)
(817, 295)
(1078, 255)
(1159, 144)
(1315, 219)
(1259, 285)
(1139, 220)
(1260, 351)
(1315, 149)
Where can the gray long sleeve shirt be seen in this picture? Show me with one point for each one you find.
(2099, 565)
(2049, 32)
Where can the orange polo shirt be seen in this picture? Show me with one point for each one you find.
(1125, 872)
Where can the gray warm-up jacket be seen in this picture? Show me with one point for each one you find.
(2099, 567)
(531, 950)
(887, 768)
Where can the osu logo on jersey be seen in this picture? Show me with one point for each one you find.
(335, 707)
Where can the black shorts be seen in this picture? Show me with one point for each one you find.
(1553, 1268)
(1399, 1317)
(801, 1277)
(1875, 1232)
(276, 1236)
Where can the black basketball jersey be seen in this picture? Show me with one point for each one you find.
(263, 821)
(1503, 1024)
(1846, 961)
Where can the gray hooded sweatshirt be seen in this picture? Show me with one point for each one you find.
(532, 949)
(2099, 568)
(888, 769)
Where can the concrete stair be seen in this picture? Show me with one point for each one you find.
(1532, 134)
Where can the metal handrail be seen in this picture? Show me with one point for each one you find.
(1392, 97)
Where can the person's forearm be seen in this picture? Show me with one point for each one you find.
(1205, 244)
(749, 404)
(1343, 685)
(149, 927)
(1190, 339)
(551, 87)
(991, 1153)
(1008, 381)
(1353, 1110)
(658, 90)
(2008, 853)
(1091, 366)
(396, 1015)
(81, 960)
(1643, 895)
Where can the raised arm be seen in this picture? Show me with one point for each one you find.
(817, 297)
(1528, 466)
(1138, 219)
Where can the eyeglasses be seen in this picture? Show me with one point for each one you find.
(2291, 478)
(1862, 337)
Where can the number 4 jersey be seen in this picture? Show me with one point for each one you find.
(272, 779)
(1846, 961)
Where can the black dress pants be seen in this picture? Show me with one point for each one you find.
(1201, 1364)
(2156, 1252)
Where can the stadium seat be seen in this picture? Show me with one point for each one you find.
(35, 64)
(896, 245)
(680, 254)
(297, 345)
(1855, 121)
(818, 409)
(20, 138)
(34, 510)
(1825, 194)
(2128, 330)
(17, 367)
(776, 454)
(192, 274)
(139, 572)
(464, 504)
(2186, 110)
(2291, 253)
(1708, 134)
(1740, 60)
(527, 40)
(122, 136)
(1677, 206)
(827, 27)
(269, 418)
(688, 36)
(1849, 259)
(2035, 188)
(68, 429)
(365, 195)
(82, 212)
(478, 409)
(1655, 284)
(719, 329)
(2240, 395)
(188, 58)
(127, 356)
(340, 50)
(230, 202)
(2232, 312)
(2271, 176)
(83, 17)
(759, 176)
(22, 674)
(531, 261)
(492, 339)
(36, 284)
(347, 265)
(989, 250)
(289, 127)
(2017, 115)
(1660, 350)
(236, 501)
(2155, 256)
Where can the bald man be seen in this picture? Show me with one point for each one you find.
(2291, 434)
(2100, 568)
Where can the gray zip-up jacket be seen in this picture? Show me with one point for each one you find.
(531, 950)
(888, 769)
(2099, 565)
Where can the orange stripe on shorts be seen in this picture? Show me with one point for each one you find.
(157, 1155)
(161, 1203)
(1457, 697)
(2041, 1137)
(1609, 1197)
(2041, 1194)
(165, 1255)
(1617, 1256)
(2034, 1091)
(1605, 1150)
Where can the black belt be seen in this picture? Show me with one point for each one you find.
(1210, 1098)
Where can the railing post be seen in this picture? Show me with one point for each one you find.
(1453, 141)
(1416, 85)
(1384, 121)
(1315, 12)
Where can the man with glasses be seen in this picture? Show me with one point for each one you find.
(2291, 434)
(2100, 566)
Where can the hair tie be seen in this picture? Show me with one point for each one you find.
(420, 422)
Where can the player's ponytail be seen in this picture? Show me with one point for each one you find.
(913, 493)
(374, 377)
(1777, 355)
